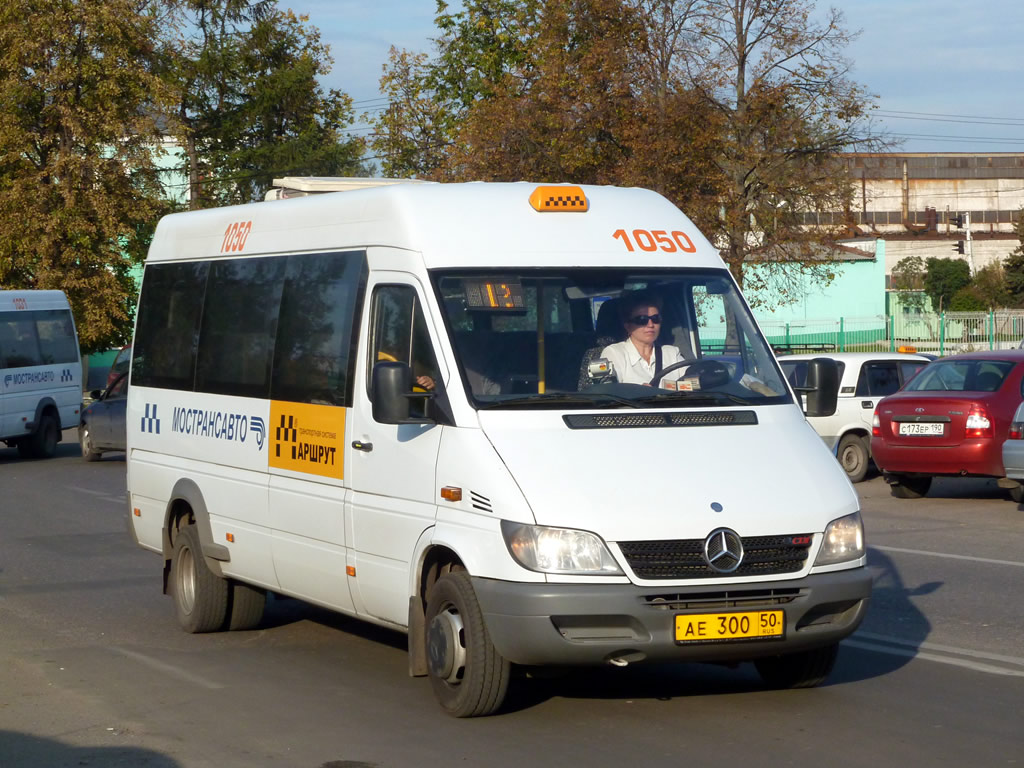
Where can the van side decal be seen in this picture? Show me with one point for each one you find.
(307, 438)
(150, 422)
(33, 377)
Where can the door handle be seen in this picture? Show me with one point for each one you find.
(360, 446)
(866, 404)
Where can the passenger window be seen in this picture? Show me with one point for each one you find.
(399, 334)
(796, 373)
(19, 342)
(236, 342)
(56, 336)
(907, 370)
(167, 330)
(877, 379)
(119, 388)
(313, 355)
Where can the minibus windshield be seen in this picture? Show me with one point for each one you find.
(606, 338)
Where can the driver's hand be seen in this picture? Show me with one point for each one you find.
(425, 381)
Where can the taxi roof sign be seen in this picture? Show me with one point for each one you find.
(559, 198)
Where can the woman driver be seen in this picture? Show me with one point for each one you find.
(635, 359)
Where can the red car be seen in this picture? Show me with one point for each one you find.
(950, 419)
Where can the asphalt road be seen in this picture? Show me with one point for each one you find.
(95, 671)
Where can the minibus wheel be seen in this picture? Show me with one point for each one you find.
(200, 596)
(805, 669)
(43, 442)
(468, 675)
(246, 604)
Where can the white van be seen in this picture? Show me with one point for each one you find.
(394, 402)
(40, 371)
(864, 379)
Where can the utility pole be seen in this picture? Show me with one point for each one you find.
(970, 243)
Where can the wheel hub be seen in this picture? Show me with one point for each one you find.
(186, 580)
(446, 651)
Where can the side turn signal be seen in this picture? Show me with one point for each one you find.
(451, 493)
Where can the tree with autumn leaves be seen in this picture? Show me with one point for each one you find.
(92, 89)
(734, 109)
(79, 191)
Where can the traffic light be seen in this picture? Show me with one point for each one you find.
(958, 222)
(959, 247)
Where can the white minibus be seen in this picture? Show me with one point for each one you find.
(527, 425)
(40, 371)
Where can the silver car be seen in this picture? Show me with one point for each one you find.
(1013, 453)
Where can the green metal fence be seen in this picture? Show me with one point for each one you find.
(942, 334)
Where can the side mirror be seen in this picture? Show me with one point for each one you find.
(391, 390)
(822, 388)
(96, 394)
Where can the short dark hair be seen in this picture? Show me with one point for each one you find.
(630, 301)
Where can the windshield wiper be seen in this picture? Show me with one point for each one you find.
(596, 400)
(692, 397)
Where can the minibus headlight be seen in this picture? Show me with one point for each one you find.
(843, 541)
(558, 550)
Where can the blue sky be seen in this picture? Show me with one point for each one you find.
(961, 65)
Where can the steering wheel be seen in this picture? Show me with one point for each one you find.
(711, 373)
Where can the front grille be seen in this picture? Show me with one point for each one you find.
(684, 558)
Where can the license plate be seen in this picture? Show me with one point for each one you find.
(722, 627)
(913, 428)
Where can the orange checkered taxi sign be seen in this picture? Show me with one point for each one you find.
(559, 198)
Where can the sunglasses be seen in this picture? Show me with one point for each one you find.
(643, 319)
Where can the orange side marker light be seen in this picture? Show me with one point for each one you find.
(451, 493)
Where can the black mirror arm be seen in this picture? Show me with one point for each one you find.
(428, 396)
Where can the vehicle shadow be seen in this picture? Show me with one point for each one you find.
(894, 627)
(22, 750)
(967, 488)
(281, 611)
(68, 447)
(888, 639)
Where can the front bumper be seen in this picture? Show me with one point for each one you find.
(590, 624)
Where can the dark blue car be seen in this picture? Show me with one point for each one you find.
(102, 427)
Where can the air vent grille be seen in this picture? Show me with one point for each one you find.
(480, 502)
(660, 419)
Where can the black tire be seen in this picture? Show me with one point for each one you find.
(469, 676)
(85, 440)
(853, 457)
(43, 442)
(806, 669)
(1017, 494)
(904, 487)
(245, 606)
(200, 596)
